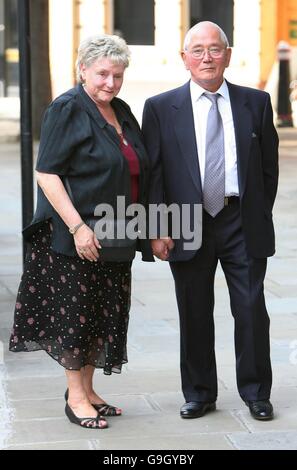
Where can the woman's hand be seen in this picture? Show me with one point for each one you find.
(86, 243)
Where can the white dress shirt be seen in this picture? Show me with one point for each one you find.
(201, 106)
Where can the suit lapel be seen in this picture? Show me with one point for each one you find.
(242, 120)
(89, 106)
(185, 132)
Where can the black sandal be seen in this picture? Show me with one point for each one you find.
(90, 423)
(103, 408)
(107, 410)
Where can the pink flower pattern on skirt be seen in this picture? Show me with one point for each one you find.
(76, 311)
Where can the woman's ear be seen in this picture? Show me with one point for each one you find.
(82, 69)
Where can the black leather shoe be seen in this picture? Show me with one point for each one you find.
(196, 409)
(261, 409)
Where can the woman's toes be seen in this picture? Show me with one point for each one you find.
(102, 423)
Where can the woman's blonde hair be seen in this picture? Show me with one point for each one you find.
(99, 46)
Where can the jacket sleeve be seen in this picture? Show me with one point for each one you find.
(158, 220)
(269, 147)
(63, 128)
(152, 140)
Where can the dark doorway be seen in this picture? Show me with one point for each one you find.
(134, 20)
(220, 12)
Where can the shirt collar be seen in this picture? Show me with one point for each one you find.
(197, 91)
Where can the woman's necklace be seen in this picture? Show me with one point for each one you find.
(122, 138)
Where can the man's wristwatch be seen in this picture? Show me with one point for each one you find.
(74, 229)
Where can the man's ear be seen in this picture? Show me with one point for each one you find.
(184, 59)
(228, 57)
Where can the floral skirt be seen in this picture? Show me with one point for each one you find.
(75, 310)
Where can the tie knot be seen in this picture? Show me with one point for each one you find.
(212, 97)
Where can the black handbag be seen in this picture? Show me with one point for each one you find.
(113, 248)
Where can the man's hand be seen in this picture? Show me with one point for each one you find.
(161, 247)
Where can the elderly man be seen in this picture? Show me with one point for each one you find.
(213, 143)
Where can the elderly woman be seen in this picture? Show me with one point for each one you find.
(70, 303)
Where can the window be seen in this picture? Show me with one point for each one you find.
(11, 31)
(134, 20)
(8, 48)
(211, 10)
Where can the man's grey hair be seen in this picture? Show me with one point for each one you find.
(197, 26)
(101, 46)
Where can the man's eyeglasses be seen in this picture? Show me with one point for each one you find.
(214, 52)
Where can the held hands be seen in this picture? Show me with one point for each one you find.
(161, 247)
(86, 243)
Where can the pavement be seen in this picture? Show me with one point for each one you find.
(9, 119)
(32, 385)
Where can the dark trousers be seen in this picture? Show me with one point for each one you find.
(223, 240)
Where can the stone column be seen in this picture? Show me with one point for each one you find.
(61, 45)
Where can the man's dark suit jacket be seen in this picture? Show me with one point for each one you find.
(168, 128)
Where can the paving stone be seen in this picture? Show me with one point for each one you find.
(285, 419)
(264, 440)
(155, 425)
(34, 364)
(168, 442)
(48, 408)
(62, 445)
(282, 306)
(129, 383)
(170, 402)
